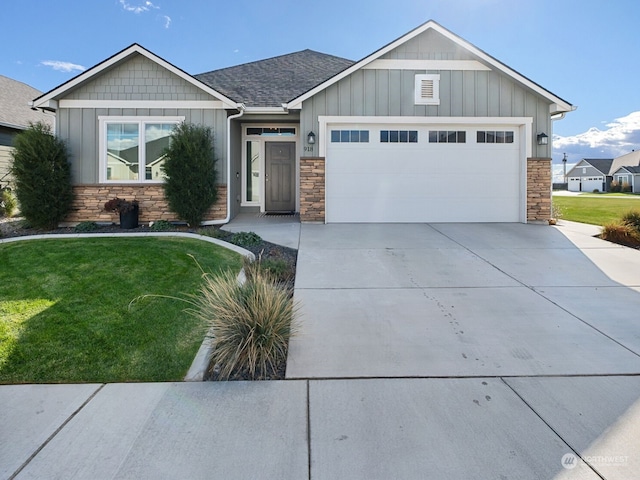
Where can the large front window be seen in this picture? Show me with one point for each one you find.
(133, 148)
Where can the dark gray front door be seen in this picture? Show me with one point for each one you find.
(280, 178)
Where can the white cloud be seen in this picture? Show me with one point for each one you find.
(144, 7)
(63, 66)
(619, 137)
(167, 21)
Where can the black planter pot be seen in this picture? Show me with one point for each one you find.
(129, 219)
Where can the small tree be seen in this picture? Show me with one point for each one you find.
(189, 166)
(42, 176)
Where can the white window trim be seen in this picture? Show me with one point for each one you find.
(104, 120)
(435, 98)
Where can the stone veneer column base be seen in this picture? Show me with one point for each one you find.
(89, 200)
(539, 183)
(312, 189)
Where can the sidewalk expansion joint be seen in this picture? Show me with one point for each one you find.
(58, 430)
(553, 430)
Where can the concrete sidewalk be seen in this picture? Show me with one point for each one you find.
(548, 386)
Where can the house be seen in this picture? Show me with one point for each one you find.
(15, 116)
(590, 174)
(429, 128)
(628, 176)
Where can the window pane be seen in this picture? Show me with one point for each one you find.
(508, 138)
(156, 137)
(393, 136)
(491, 137)
(481, 137)
(433, 136)
(404, 136)
(254, 131)
(287, 131)
(499, 137)
(355, 136)
(413, 136)
(122, 151)
(462, 137)
(442, 137)
(364, 136)
(384, 136)
(344, 136)
(335, 136)
(253, 172)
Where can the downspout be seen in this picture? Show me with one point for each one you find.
(241, 108)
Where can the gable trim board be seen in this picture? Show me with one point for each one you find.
(558, 105)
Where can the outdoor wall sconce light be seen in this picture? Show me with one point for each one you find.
(543, 139)
(311, 138)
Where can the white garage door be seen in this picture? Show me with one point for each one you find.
(589, 184)
(418, 173)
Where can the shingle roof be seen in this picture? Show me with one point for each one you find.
(629, 169)
(274, 81)
(15, 111)
(601, 164)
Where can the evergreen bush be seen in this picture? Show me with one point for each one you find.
(42, 176)
(189, 166)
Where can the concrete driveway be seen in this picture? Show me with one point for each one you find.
(461, 300)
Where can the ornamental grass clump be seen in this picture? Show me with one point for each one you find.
(621, 233)
(250, 324)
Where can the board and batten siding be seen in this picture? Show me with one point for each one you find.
(462, 94)
(137, 79)
(83, 142)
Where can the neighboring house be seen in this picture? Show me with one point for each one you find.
(15, 116)
(629, 176)
(590, 174)
(429, 128)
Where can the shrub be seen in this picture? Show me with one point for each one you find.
(625, 187)
(42, 176)
(595, 190)
(632, 218)
(275, 268)
(621, 233)
(213, 232)
(190, 186)
(250, 323)
(246, 239)
(161, 226)
(615, 187)
(8, 203)
(86, 227)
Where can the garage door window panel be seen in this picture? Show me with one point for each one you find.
(447, 136)
(398, 136)
(349, 136)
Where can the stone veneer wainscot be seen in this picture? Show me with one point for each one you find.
(89, 200)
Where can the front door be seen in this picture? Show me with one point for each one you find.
(280, 177)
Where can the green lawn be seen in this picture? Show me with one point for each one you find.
(596, 209)
(64, 313)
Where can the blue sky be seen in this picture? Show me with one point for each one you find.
(584, 51)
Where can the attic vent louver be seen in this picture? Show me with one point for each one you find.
(427, 89)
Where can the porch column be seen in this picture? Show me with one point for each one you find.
(539, 178)
(312, 189)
